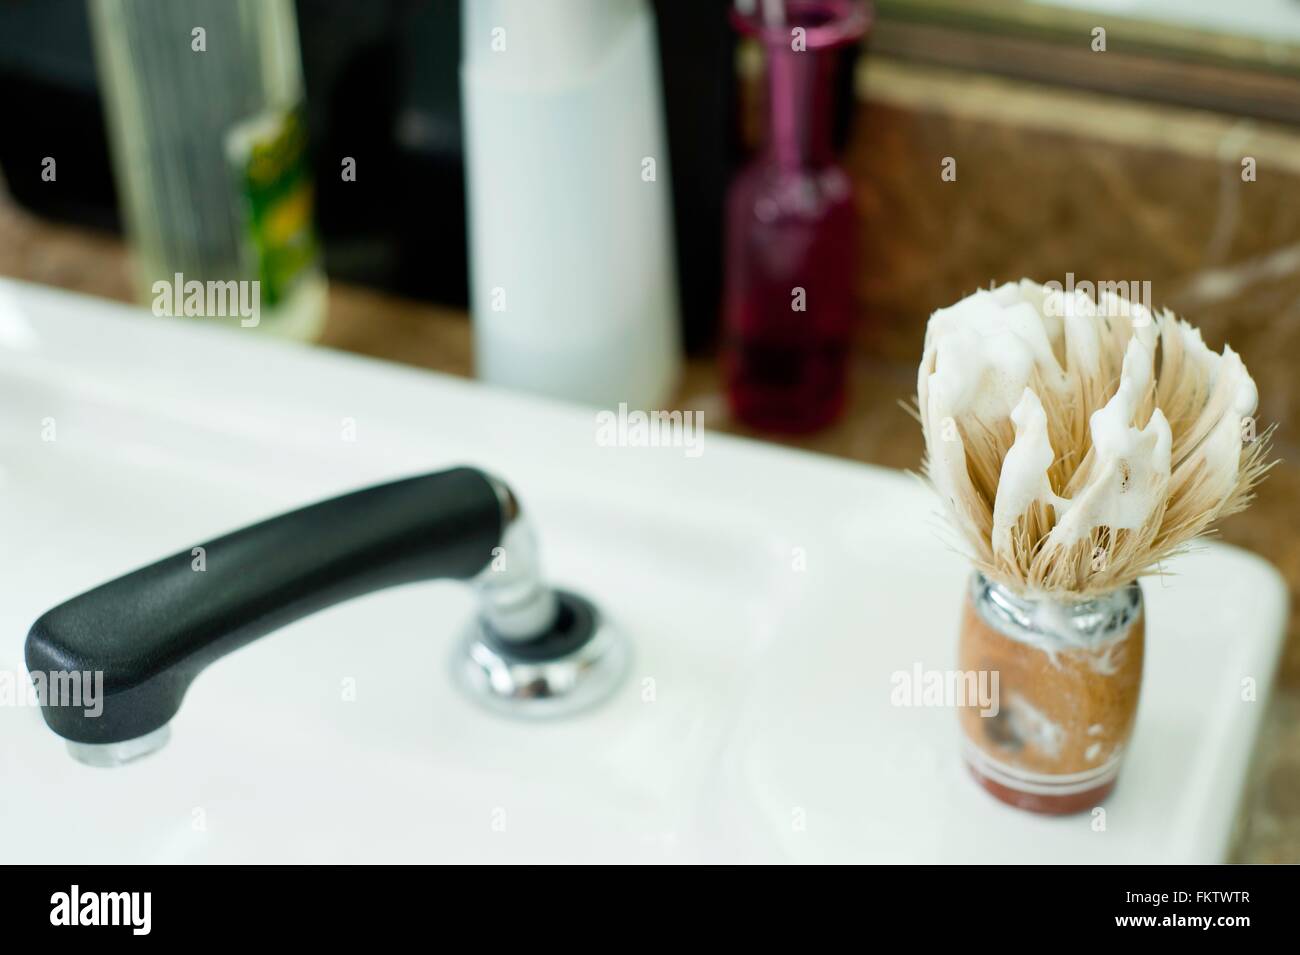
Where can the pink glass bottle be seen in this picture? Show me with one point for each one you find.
(788, 309)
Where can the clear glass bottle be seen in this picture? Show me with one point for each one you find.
(204, 102)
(1068, 677)
(791, 257)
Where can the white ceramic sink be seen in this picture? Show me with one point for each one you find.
(756, 723)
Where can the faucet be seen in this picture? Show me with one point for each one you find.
(530, 651)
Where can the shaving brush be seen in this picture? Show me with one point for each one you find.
(1075, 445)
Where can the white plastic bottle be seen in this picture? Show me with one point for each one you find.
(572, 278)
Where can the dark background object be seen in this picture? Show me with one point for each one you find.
(51, 107)
(382, 81)
(697, 52)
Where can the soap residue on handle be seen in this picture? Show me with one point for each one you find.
(1066, 461)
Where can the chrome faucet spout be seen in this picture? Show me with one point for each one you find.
(514, 599)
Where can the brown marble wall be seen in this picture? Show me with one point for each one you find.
(1108, 191)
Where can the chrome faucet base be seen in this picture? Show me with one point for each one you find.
(116, 754)
(559, 675)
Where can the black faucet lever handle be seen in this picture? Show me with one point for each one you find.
(150, 632)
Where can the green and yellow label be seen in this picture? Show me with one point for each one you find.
(273, 177)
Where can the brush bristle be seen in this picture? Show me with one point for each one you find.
(1069, 459)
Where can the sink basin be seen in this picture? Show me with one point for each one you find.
(769, 596)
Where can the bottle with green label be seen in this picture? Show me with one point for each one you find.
(205, 110)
